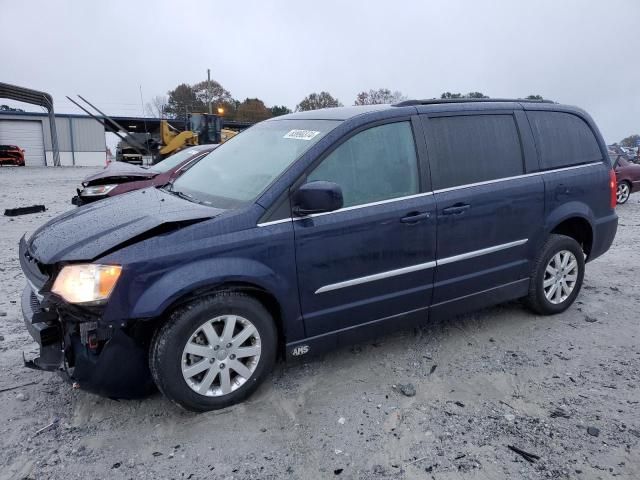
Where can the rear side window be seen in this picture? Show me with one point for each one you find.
(473, 148)
(376, 164)
(563, 139)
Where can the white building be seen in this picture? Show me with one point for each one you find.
(81, 139)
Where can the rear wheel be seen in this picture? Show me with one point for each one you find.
(557, 276)
(622, 193)
(214, 352)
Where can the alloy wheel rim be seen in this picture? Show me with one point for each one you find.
(560, 276)
(221, 355)
(622, 193)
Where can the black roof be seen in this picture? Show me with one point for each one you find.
(345, 113)
(438, 101)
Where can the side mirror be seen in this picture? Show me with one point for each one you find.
(317, 197)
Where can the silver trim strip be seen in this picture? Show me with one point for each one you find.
(376, 276)
(516, 177)
(364, 205)
(425, 194)
(483, 251)
(420, 266)
(274, 222)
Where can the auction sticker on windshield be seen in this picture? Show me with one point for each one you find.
(301, 134)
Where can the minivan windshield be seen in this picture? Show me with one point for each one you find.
(241, 168)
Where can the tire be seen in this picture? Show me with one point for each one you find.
(557, 247)
(210, 381)
(623, 192)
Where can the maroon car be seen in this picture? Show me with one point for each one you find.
(121, 177)
(11, 155)
(627, 176)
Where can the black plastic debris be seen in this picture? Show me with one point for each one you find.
(559, 412)
(14, 212)
(529, 457)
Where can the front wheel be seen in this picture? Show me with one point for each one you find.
(557, 276)
(622, 193)
(214, 352)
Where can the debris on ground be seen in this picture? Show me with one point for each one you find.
(47, 427)
(14, 212)
(559, 412)
(529, 457)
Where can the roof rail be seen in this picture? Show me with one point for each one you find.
(436, 101)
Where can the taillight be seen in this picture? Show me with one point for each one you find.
(613, 187)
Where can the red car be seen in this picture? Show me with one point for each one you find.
(121, 177)
(627, 176)
(11, 155)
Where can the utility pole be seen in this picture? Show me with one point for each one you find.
(210, 94)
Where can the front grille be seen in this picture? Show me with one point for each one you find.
(32, 268)
(35, 304)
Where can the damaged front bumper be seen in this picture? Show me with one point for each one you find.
(103, 359)
(79, 200)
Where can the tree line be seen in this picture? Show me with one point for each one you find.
(186, 99)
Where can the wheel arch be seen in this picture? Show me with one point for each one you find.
(577, 227)
(266, 298)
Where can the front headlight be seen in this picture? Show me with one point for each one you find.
(97, 190)
(89, 283)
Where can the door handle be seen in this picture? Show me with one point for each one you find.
(456, 209)
(414, 217)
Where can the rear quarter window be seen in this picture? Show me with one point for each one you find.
(563, 139)
(473, 148)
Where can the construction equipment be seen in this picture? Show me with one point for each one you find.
(204, 129)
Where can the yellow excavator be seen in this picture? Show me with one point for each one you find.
(205, 128)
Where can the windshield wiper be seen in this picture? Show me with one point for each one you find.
(185, 196)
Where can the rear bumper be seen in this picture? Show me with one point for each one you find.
(604, 232)
(12, 161)
(112, 364)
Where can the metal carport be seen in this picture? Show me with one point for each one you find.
(34, 97)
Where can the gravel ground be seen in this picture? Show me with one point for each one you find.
(441, 402)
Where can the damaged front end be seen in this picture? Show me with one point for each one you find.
(100, 357)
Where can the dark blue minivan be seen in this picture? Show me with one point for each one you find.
(317, 229)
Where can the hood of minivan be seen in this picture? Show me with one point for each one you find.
(120, 170)
(88, 232)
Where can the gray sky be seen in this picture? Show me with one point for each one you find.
(585, 53)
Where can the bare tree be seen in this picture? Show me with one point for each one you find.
(382, 95)
(156, 107)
